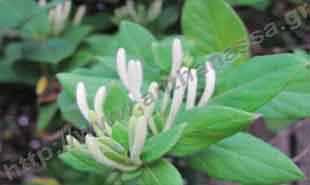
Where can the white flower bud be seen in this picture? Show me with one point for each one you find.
(66, 9)
(177, 57)
(72, 141)
(178, 96)
(140, 134)
(42, 3)
(210, 85)
(122, 66)
(191, 89)
(81, 99)
(135, 79)
(81, 11)
(99, 101)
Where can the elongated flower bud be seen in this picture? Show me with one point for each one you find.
(178, 96)
(210, 85)
(153, 95)
(42, 3)
(81, 99)
(72, 141)
(81, 11)
(177, 57)
(191, 89)
(66, 9)
(99, 101)
(122, 66)
(58, 23)
(140, 134)
(135, 79)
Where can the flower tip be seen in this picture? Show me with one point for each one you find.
(121, 52)
(209, 66)
(102, 91)
(99, 101)
(154, 89)
(177, 44)
(89, 139)
(80, 86)
(81, 99)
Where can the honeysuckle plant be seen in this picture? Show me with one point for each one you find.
(168, 99)
(135, 150)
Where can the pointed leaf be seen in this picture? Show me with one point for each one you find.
(203, 23)
(248, 160)
(160, 173)
(208, 125)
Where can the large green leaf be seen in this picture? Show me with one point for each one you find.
(37, 28)
(215, 27)
(102, 45)
(160, 173)
(137, 41)
(82, 161)
(158, 145)
(15, 13)
(117, 104)
(292, 103)
(209, 125)
(256, 83)
(54, 50)
(248, 160)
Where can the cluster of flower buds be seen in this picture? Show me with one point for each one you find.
(102, 147)
(106, 150)
(58, 16)
(182, 78)
(138, 12)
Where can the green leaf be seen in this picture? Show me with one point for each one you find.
(15, 13)
(46, 114)
(214, 30)
(137, 41)
(239, 157)
(76, 34)
(292, 103)
(256, 83)
(38, 27)
(275, 85)
(54, 50)
(158, 145)
(102, 45)
(82, 161)
(117, 104)
(51, 51)
(160, 173)
(208, 125)
(120, 134)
